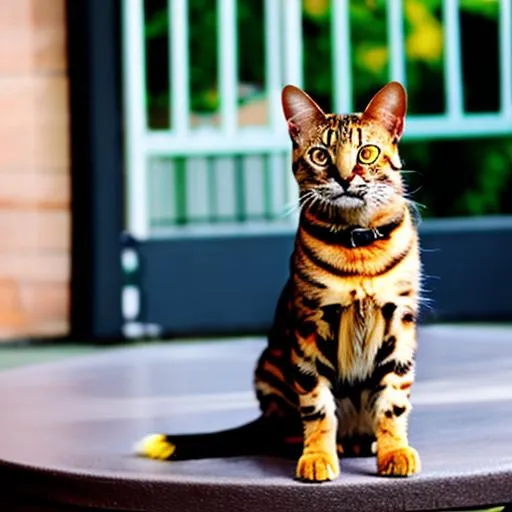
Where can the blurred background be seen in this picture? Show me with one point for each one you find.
(145, 182)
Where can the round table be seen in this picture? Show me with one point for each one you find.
(67, 430)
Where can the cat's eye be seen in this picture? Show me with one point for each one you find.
(320, 156)
(368, 154)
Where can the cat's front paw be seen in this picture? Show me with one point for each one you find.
(318, 467)
(403, 461)
(155, 446)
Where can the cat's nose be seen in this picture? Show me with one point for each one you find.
(352, 179)
(345, 183)
(357, 179)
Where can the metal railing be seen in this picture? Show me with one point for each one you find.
(236, 179)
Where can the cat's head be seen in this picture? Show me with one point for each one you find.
(348, 165)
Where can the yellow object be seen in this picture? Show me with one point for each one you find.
(425, 41)
(316, 8)
(155, 446)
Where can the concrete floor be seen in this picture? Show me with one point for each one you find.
(15, 356)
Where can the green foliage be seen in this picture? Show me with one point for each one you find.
(469, 177)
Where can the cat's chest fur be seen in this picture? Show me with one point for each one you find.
(360, 333)
(356, 328)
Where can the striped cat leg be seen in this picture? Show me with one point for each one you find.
(394, 455)
(394, 375)
(319, 460)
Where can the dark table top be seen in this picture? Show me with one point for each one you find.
(67, 429)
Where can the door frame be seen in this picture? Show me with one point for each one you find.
(96, 153)
(456, 249)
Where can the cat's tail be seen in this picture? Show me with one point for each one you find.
(263, 436)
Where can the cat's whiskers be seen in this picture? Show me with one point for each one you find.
(315, 199)
(426, 303)
(298, 205)
(415, 203)
(408, 193)
(308, 199)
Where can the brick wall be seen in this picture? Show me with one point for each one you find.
(34, 170)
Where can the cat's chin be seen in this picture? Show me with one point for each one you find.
(349, 202)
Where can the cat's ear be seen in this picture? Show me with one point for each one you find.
(388, 107)
(300, 111)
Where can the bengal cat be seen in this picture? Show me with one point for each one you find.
(336, 375)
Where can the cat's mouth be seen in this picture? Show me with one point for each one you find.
(346, 193)
(347, 199)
